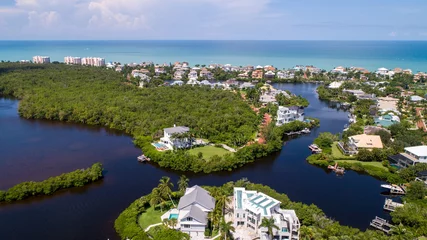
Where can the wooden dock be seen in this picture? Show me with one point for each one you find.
(381, 224)
(391, 206)
(143, 158)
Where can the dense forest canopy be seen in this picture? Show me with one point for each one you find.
(99, 96)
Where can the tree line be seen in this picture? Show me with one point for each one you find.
(77, 178)
(182, 160)
(99, 96)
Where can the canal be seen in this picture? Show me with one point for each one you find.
(36, 149)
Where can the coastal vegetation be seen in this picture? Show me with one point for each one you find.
(77, 178)
(314, 223)
(183, 160)
(98, 96)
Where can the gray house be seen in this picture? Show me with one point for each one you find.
(192, 212)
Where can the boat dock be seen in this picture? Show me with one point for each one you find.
(304, 131)
(391, 206)
(143, 158)
(314, 148)
(381, 224)
(395, 189)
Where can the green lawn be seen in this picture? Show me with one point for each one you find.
(209, 151)
(337, 154)
(149, 217)
(375, 164)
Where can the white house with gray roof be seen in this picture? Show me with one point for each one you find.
(192, 212)
(250, 207)
(171, 139)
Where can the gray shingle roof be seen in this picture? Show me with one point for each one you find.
(179, 129)
(197, 213)
(197, 195)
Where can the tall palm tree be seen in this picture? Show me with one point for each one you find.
(269, 224)
(173, 222)
(165, 187)
(226, 228)
(156, 198)
(223, 200)
(183, 183)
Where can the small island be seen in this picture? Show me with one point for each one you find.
(77, 178)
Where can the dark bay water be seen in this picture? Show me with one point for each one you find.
(35, 150)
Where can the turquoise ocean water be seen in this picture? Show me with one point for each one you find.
(282, 54)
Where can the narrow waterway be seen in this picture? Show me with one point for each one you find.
(35, 150)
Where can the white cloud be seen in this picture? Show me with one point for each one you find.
(44, 19)
(137, 18)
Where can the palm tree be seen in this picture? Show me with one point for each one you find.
(226, 228)
(173, 222)
(223, 200)
(166, 222)
(165, 187)
(269, 224)
(183, 183)
(156, 198)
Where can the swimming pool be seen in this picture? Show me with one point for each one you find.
(173, 216)
(159, 145)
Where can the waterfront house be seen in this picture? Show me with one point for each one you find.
(176, 137)
(285, 74)
(289, 114)
(257, 74)
(246, 85)
(335, 85)
(364, 141)
(206, 83)
(387, 120)
(251, 207)
(269, 75)
(192, 212)
(177, 83)
(411, 156)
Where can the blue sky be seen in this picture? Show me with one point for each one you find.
(214, 19)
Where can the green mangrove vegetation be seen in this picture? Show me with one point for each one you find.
(98, 96)
(77, 178)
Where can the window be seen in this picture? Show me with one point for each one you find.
(284, 229)
(189, 219)
(186, 226)
(237, 215)
(243, 215)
